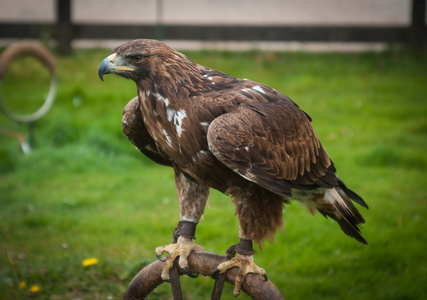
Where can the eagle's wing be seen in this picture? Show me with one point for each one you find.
(134, 128)
(271, 144)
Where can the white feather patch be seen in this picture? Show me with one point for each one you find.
(161, 98)
(180, 115)
(168, 138)
(258, 88)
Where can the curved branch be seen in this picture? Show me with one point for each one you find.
(203, 263)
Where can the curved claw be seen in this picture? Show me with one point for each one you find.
(265, 278)
(189, 273)
(215, 273)
(162, 259)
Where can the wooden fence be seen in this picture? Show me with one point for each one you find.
(64, 31)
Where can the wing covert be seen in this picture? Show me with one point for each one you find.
(272, 144)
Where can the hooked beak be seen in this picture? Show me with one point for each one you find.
(112, 65)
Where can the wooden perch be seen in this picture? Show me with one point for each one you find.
(203, 263)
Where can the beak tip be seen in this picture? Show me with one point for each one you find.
(104, 68)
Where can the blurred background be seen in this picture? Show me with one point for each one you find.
(207, 24)
(81, 211)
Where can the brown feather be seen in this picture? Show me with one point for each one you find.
(240, 137)
(137, 133)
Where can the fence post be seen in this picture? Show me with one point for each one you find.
(159, 21)
(64, 27)
(418, 24)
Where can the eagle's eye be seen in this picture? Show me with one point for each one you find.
(137, 58)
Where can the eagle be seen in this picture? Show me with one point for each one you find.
(238, 136)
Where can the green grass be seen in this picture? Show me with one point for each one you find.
(84, 191)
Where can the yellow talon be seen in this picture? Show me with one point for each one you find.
(182, 248)
(246, 265)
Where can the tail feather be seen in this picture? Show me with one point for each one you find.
(346, 214)
(348, 229)
(336, 204)
(352, 195)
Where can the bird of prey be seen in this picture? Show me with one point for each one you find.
(240, 137)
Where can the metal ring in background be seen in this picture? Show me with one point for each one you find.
(39, 51)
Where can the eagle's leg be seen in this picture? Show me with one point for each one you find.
(182, 247)
(192, 198)
(243, 260)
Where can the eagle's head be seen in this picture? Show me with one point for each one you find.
(138, 59)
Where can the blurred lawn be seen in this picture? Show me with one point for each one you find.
(84, 191)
